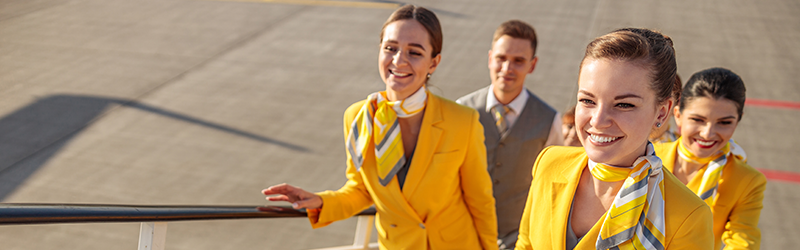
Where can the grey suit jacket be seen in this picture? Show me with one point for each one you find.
(510, 156)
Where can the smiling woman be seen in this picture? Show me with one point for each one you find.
(419, 158)
(710, 163)
(613, 193)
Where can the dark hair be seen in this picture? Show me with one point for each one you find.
(516, 29)
(425, 17)
(715, 83)
(645, 47)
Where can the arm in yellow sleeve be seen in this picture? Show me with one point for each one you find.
(696, 231)
(524, 240)
(476, 185)
(741, 230)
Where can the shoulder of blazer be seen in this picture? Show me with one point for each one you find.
(744, 173)
(565, 156)
(351, 112)
(450, 110)
(476, 99)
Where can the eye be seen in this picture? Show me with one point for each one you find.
(415, 53)
(725, 122)
(389, 48)
(586, 101)
(696, 119)
(625, 105)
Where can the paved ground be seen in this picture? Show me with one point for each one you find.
(208, 102)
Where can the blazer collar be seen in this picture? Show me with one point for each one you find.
(427, 141)
(562, 193)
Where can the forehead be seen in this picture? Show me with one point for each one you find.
(512, 46)
(406, 31)
(711, 107)
(610, 78)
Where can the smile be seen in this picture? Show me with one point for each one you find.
(703, 143)
(398, 74)
(602, 139)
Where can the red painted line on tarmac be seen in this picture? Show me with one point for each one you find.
(772, 103)
(777, 175)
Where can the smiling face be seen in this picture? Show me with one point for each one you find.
(510, 61)
(616, 110)
(405, 58)
(706, 124)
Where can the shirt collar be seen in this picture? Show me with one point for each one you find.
(516, 105)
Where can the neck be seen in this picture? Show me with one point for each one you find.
(505, 97)
(394, 96)
(686, 167)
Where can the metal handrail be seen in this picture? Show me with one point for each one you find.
(37, 213)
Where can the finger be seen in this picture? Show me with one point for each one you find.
(278, 198)
(278, 189)
(311, 203)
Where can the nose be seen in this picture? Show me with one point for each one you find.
(600, 118)
(506, 67)
(707, 131)
(399, 58)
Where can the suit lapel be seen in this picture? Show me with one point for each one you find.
(429, 136)
(492, 136)
(563, 191)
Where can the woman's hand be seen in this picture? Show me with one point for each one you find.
(297, 196)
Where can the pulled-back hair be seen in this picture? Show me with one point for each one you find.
(516, 29)
(647, 48)
(715, 83)
(425, 17)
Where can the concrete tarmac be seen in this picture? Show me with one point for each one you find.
(207, 102)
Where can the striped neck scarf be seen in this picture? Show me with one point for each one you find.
(636, 218)
(715, 163)
(376, 124)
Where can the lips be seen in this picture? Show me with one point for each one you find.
(398, 74)
(705, 144)
(602, 139)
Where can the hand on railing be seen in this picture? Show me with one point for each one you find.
(295, 195)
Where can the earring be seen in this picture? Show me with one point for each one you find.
(658, 124)
(429, 75)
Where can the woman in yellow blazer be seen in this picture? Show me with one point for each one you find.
(419, 158)
(613, 192)
(710, 164)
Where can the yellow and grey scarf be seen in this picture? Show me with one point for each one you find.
(376, 124)
(714, 165)
(636, 218)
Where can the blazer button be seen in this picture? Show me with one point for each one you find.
(496, 182)
(393, 225)
(498, 164)
(501, 145)
(422, 225)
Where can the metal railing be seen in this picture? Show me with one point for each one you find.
(153, 219)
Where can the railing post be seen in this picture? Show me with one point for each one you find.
(152, 235)
(363, 231)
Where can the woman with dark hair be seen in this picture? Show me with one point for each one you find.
(706, 159)
(419, 158)
(613, 192)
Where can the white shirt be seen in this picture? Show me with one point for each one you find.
(556, 137)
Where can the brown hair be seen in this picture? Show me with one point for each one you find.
(516, 29)
(715, 83)
(645, 47)
(425, 17)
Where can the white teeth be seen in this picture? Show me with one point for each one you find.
(398, 74)
(603, 139)
(705, 143)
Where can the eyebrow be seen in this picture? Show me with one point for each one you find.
(723, 118)
(615, 98)
(410, 44)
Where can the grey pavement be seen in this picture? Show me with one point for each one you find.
(207, 102)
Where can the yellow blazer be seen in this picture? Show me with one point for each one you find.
(446, 201)
(555, 178)
(739, 200)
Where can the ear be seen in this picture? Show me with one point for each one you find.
(490, 60)
(434, 63)
(663, 112)
(676, 112)
(533, 64)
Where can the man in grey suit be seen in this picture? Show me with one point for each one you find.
(517, 124)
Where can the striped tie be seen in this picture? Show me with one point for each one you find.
(715, 163)
(636, 218)
(376, 123)
(500, 112)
